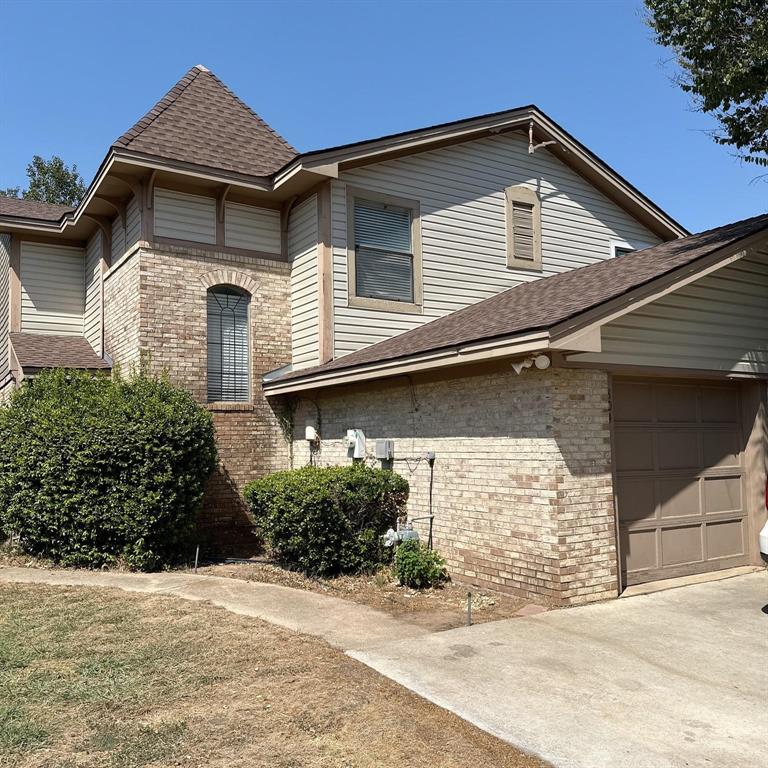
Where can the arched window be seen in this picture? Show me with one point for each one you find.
(228, 358)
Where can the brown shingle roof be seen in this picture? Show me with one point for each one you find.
(32, 209)
(37, 350)
(548, 301)
(201, 121)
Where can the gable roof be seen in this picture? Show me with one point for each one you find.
(544, 303)
(36, 351)
(201, 121)
(32, 209)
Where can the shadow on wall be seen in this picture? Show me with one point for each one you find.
(224, 526)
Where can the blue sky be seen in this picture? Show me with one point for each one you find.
(74, 76)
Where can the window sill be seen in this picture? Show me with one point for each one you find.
(230, 406)
(385, 305)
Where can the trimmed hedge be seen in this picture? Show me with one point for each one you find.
(96, 470)
(418, 566)
(328, 521)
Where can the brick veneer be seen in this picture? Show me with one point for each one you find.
(522, 491)
(156, 308)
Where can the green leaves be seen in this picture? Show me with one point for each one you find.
(722, 50)
(328, 520)
(417, 566)
(95, 470)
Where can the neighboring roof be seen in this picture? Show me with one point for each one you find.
(200, 121)
(36, 350)
(546, 302)
(32, 209)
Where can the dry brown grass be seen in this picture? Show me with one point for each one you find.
(435, 609)
(96, 677)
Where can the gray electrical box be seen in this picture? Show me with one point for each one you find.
(385, 450)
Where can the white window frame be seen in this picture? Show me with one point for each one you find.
(522, 194)
(389, 305)
(617, 244)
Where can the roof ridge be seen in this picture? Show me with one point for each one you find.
(161, 106)
(261, 120)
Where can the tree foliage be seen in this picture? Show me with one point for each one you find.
(50, 181)
(722, 49)
(95, 470)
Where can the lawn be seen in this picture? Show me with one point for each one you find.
(92, 677)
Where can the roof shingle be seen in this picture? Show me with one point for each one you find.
(32, 209)
(37, 350)
(546, 302)
(201, 121)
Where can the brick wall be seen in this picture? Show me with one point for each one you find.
(522, 491)
(156, 308)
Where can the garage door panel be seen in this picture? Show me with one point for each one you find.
(719, 405)
(674, 404)
(679, 497)
(721, 448)
(722, 494)
(678, 450)
(639, 549)
(639, 496)
(681, 545)
(634, 450)
(725, 539)
(679, 478)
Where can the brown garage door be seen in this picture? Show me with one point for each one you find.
(679, 478)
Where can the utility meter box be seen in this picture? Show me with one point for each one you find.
(355, 442)
(385, 450)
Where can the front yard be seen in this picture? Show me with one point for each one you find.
(92, 677)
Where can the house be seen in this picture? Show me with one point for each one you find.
(572, 383)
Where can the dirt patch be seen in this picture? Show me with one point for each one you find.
(436, 609)
(97, 677)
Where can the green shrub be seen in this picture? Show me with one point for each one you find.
(95, 470)
(328, 521)
(417, 566)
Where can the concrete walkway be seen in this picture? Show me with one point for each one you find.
(341, 623)
(669, 680)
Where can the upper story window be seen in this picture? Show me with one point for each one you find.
(621, 249)
(523, 228)
(228, 348)
(384, 256)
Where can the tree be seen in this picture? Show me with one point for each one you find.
(722, 49)
(50, 181)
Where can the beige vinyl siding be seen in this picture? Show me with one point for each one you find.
(257, 229)
(181, 216)
(5, 267)
(461, 194)
(118, 239)
(302, 250)
(132, 223)
(717, 323)
(92, 314)
(52, 289)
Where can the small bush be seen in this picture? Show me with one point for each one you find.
(417, 566)
(328, 521)
(94, 470)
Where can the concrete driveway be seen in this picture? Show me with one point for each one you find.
(676, 678)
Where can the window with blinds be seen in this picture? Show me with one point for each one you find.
(523, 228)
(383, 251)
(228, 358)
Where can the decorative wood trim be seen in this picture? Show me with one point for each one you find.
(135, 185)
(116, 203)
(285, 218)
(522, 194)
(15, 285)
(150, 189)
(221, 200)
(324, 274)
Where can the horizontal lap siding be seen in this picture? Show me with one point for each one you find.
(461, 193)
(132, 224)
(302, 250)
(257, 229)
(185, 217)
(118, 239)
(5, 266)
(52, 289)
(717, 323)
(92, 316)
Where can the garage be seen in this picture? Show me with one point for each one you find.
(679, 478)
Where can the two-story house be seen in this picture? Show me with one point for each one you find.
(573, 385)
